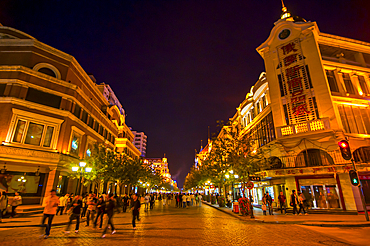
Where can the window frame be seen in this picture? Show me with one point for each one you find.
(29, 117)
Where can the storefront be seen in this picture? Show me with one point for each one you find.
(321, 192)
(365, 182)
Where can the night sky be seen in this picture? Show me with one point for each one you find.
(176, 66)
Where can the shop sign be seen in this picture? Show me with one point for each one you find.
(296, 83)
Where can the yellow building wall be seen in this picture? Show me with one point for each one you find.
(347, 191)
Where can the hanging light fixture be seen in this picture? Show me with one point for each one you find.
(37, 173)
(3, 170)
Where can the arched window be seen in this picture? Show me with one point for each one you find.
(275, 163)
(313, 157)
(362, 154)
(47, 69)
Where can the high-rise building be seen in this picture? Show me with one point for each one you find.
(140, 141)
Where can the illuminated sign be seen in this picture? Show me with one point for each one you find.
(296, 84)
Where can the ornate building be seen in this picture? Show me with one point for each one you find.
(52, 114)
(315, 92)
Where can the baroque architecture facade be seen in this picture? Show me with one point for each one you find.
(314, 93)
(52, 114)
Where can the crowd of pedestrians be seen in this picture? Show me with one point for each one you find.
(100, 210)
(296, 201)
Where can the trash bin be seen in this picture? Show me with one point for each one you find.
(236, 207)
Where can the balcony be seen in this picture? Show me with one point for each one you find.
(309, 126)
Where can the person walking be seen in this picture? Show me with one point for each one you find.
(180, 200)
(111, 204)
(84, 206)
(184, 199)
(200, 197)
(269, 203)
(135, 208)
(100, 207)
(124, 203)
(76, 212)
(17, 200)
(282, 202)
(192, 199)
(91, 207)
(3, 204)
(264, 204)
(62, 204)
(51, 204)
(188, 200)
(164, 197)
(301, 202)
(146, 201)
(152, 201)
(294, 201)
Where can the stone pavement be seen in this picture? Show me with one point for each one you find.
(324, 220)
(167, 225)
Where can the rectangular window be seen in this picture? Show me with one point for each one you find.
(286, 114)
(91, 122)
(264, 103)
(332, 81)
(354, 119)
(19, 131)
(43, 98)
(363, 85)
(77, 111)
(348, 83)
(75, 144)
(34, 134)
(84, 116)
(2, 89)
(48, 136)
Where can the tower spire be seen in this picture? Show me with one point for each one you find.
(285, 13)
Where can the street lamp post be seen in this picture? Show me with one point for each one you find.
(82, 170)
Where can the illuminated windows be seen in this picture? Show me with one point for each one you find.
(33, 133)
(354, 119)
(75, 144)
(363, 85)
(348, 83)
(332, 81)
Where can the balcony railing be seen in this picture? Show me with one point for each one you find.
(309, 126)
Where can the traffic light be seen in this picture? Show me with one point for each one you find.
(345, 150)
(355, 181)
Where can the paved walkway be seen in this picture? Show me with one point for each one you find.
(325, 220)
(32, 221)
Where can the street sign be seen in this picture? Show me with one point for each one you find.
(250, 185)
(254, 178)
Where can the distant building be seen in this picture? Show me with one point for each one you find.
(160, 166)
(140, 140)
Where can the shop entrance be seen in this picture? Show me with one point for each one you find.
(321, 196)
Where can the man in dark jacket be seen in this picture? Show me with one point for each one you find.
(100, 207)
(135, 208)
(294, 202)
(111, 204)
(269, 203)
(125, 202)
(76, 212)
(282, 202)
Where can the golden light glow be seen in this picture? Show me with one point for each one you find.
(352, 104)
(301, 128)
(360, 92)
(317, 125)
(286, 130)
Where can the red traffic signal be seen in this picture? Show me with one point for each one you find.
(345, 150)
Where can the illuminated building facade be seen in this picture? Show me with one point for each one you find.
(52, 114)
(315, 92)
(160, 166)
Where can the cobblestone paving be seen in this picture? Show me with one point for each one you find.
(172, 226)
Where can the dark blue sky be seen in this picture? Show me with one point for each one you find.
(177, 66)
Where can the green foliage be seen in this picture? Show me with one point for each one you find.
(108, 165)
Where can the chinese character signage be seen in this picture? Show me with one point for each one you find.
(300, 102)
